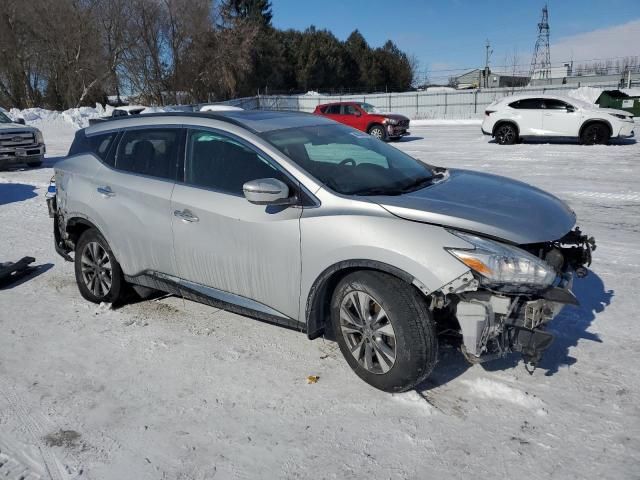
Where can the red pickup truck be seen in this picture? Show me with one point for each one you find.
(366, 117)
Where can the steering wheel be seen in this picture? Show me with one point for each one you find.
(347, 161)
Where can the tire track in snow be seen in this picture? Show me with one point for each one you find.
(631, 196)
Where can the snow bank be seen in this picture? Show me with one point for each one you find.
(77, 117)
(586, 94)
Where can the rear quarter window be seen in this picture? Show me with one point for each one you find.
(99, 145)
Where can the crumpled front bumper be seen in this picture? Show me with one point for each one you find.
(494, 324)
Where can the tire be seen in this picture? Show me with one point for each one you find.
(396, 347)
(34, 164)
(111, 288)
(379, 132)
(506, 134)
(596, 133)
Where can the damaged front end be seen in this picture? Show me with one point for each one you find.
(514, 292)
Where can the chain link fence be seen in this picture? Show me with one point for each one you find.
(454, 105)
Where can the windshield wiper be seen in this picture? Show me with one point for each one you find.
(417, 184)
(377, 191)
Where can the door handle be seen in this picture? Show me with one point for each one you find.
(106, 191)
(185, 215)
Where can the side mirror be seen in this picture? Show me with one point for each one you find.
(20, 121)
(267, 191)
(358, 114)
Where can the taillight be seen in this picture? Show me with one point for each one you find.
(489, 112)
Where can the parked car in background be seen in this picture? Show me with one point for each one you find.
(119, 112)
(367, 118)
(20, 144)
(303, 222)
(128, 110)
(216, 107)
(518, 117)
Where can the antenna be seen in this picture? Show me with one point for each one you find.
(541, 60)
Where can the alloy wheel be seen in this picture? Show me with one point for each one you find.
(97, 272)
(368, 332)
(377, 132)
(506, 134)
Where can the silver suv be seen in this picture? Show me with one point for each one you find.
(303, 222)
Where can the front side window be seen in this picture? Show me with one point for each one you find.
(367, 107)
(151, 152)
(221, 163)
(349, 110)
(552, 104)
(351, 162)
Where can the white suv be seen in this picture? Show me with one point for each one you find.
(512, 118)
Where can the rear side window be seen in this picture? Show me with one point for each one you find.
(152, 152)
(96, 144)
(223, 164)
(527, 104)
(332, 110)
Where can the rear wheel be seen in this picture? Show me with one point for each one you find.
(595, 134)
(378, 132)
(384, 330)
(98, 273)
(506, 134)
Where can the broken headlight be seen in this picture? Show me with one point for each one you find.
(502, 264)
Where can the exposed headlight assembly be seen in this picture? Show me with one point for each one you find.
(501, 264)
(391, 121)
(39, 137)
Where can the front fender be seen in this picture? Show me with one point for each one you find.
(410, 250)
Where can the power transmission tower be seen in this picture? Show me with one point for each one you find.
(541, 60)
(486, 72)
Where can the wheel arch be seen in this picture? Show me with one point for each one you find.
(76, 226)
(502, 122)
(591, 121)
(374, 123)
(319, 296)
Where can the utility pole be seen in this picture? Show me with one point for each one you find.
(541, 60)
(488, 53)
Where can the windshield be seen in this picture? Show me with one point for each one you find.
(351, 162)
(367, 107)
(4, 118)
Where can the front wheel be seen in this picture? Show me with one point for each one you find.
(378, 132)
(384, 330)
(595, 134)
(98, 273)
(506, 134)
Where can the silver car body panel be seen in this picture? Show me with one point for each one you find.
(487, 204)
(271, 256)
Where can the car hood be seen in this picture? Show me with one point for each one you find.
(16, 126)
(394, 116)
(486, 204)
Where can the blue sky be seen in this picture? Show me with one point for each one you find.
(450, 34)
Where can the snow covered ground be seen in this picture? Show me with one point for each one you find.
(172, 389)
